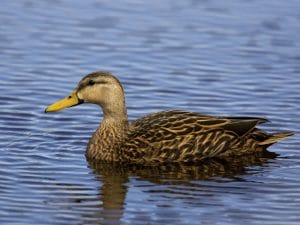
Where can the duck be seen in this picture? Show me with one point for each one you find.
(165, 136)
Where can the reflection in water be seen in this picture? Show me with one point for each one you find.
(204, 56)
(115, 178)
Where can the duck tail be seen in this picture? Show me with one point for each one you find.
(275, 137)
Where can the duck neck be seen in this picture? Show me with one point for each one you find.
(114, 110)
(115, 121)
(106, 141)
(113, 125)
(115, 117)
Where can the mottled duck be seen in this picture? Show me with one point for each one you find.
(166, 136)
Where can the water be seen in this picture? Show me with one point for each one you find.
(222, 58)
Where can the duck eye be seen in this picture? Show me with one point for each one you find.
(91, 82)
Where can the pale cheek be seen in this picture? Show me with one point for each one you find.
(93, 97)
(90, 97)
(86, 96)
(79, 95)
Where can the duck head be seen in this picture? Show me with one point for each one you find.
(100, 88)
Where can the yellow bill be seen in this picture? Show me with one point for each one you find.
(67, 102)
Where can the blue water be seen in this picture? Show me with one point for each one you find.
(235, 57)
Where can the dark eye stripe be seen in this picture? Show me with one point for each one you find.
(101, 82)
(91, 82)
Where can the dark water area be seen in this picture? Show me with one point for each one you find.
(237, 58)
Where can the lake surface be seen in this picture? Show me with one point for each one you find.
(238, 58)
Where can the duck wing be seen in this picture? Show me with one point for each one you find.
(185, 136)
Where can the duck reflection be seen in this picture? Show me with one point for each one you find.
(115, 178)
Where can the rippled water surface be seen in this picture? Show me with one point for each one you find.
(217, 57)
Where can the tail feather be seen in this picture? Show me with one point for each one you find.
(275, 137)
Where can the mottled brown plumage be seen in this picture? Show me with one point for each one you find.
(167, 136)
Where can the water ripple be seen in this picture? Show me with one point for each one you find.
(235, 58)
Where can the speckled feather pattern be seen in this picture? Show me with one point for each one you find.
(167, 136)
(179, 136)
